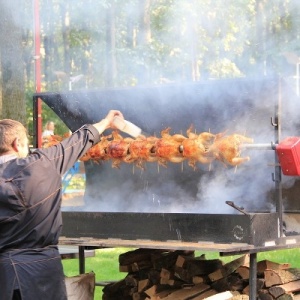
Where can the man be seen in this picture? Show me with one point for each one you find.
(30, 216)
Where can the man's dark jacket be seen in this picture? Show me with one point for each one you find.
(30, 218)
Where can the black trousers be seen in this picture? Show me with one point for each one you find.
(16, 295)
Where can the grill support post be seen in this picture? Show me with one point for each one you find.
(81, 259)
(252, 279)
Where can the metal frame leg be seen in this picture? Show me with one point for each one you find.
(253, 276)
(81, 259)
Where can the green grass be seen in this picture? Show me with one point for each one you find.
(105, 264)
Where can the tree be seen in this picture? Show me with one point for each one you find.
(13, 90)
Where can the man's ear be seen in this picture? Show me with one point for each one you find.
(15, 145)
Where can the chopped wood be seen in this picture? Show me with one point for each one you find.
(264, 295)
(152, 290)
(278, 277)
(259, 285)
(168, 260)
(221, 296)
(141, 265)
(132, 281)
(243, 271)
(137, 296)
(188, 293)
(279, 290)
(203, 266)
(286, 297)
(240, 297)
(158, 289)
(205, 295)
(267, 264)
(179, 275)
(135, 267)
(114, 287)
(229, 268)
(143, 285)
(183, 259)
(197, 279)
(171, 282)
(183, 274)
(164, 273)
(161, 295)
(137, 255)
(232, 282)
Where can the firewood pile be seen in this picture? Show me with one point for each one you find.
(154, 274)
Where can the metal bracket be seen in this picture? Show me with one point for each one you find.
(240, 209)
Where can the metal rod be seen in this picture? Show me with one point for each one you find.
(81, 255)
(253, 276)
(266, 146)
(277, 171)
(240, 209)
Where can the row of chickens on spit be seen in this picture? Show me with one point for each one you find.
(203, 148)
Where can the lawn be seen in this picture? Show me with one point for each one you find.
(106, 267)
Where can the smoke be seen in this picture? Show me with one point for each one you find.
(190, 40)
(230, 106)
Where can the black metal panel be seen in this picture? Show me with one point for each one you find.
(254, 229)
(218, 105)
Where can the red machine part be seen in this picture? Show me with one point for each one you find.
(288, 152)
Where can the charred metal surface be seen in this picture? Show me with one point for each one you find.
(253, 229)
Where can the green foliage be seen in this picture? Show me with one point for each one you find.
(220, 39)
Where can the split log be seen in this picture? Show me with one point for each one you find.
(164, 273)
(229, 268)
(168, 260)
(278, 277)
(133, 256)
(270, 265)
(198, 265)
(259, 285)
(114, 288)
(158, 290)
(240, 297)
(174, 283)
(264, 295)
(203, 267)
(131, 280)
(161, 295)
(286, 297)
(188, 293)
(232, 282)
(222, 296)
(137, 296)
(290, 287)
(183, 259)
(143, 285)
(205, 295)
(183, 274)
(198, 279)
(244, 272)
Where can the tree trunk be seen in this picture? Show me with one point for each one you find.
(111, 64)
(143, 39)
(13, 96)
